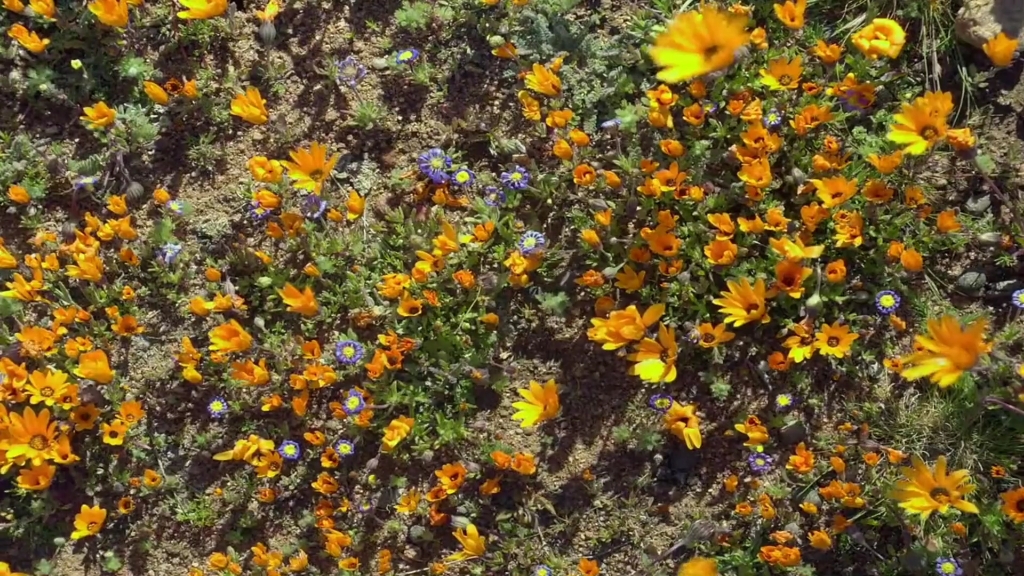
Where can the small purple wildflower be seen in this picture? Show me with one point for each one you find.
(353, 403)
(494, 197)
(350, 71)
(313, 206)
(948, 567)
(348, 352)
(168, 253)
(289, 450)
(772, 119)
(785, 402)
(517, 179)
(434, 163)
(407, 56)
(217, 407)
(344, 448)
(463, 177)
(887, 301)
(532, 242)
(660, 402)
(760, 463)
(1017, 298)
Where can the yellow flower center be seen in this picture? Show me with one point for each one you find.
(785, 79)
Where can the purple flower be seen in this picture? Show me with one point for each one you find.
(709, 107)
(532, 242)
(785, 402)
(517, 179)
(168, 253)
(948, 567)
(348, 352)
(217, 407)
(772, 118)
(407, 56)
(344, 448)
(494, 197)
(353, 403)
(760, 462)
(1017, 298)
(289, 450)
(257, 212)
(434, 163)
(313, 206)
(660, 402)
(887, 301)
(463, 177)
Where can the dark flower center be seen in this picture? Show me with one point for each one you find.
(833, 341)
(709, 338)
(114, 434)
(940, 495)
(38, 442)
(317, 174)
(752, 307)
(929, 132)
(785, 79)
(711, 51)
(1020, 505)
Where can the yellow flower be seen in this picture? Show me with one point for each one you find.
(696, 43)
(310, 168)
(31, 437)
(250, 106)
(230, 337)
(156, 93)
(710, 336)
(820, 539)
(113, 13)
(699, 566)
(947, 352)
(409, 306)
(354, 206)
(35, 479)
(541, 403)
(1013, 505)
(44, 8)
(835, 340)
(530, 105)
(270, 12)
(683, 423)
(95, 366)
(744, 303)
(827, 53)
(303, 302)
(29, 40)
(544, 81)
(19, 195)
(473, 545)
(757, 434)
(1000, 49)
(791, 15)
(623, 326)
(202, 9)
(925, 491)
(656, 360)
(782, 74)
(395, 432)
(920, 125)
(834, 191)
(882, 37)
(265, 170)
(99, 115)
(88, 522)
(629, 280)
(16, 6)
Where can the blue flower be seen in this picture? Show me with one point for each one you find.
(771, 118)
(364, 506)
(532, 242)
(313, 206)
(217, 407)
(785, 402)
(344, 448)
(948, 567)
(542, 570)
(611, 124)
(660, 402)
(463, 177)
(887, 301)
(434, 163)
(348, 352)
(709, 107)
(353, 403)
(517, 179)
(289, 450)
(350, 71)
(1017, 298)
(760, 463)
(494, 197)
(168, 253)
(407, 56)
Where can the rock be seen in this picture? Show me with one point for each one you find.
(793, 433)
(971, 281)
(1008, 286)
(978, 204)
(980, 20)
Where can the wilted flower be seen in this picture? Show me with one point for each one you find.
(494, 197)
(350, 71)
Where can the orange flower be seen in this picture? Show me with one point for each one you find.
(947, 222)
(558, 118)
(302, 302)
(230, 337)
(561, 149)
(584, 175)
(911, 260)
(802, 462)
(672, 148)
(1000, 49)
(94, 366)
(791, 15)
